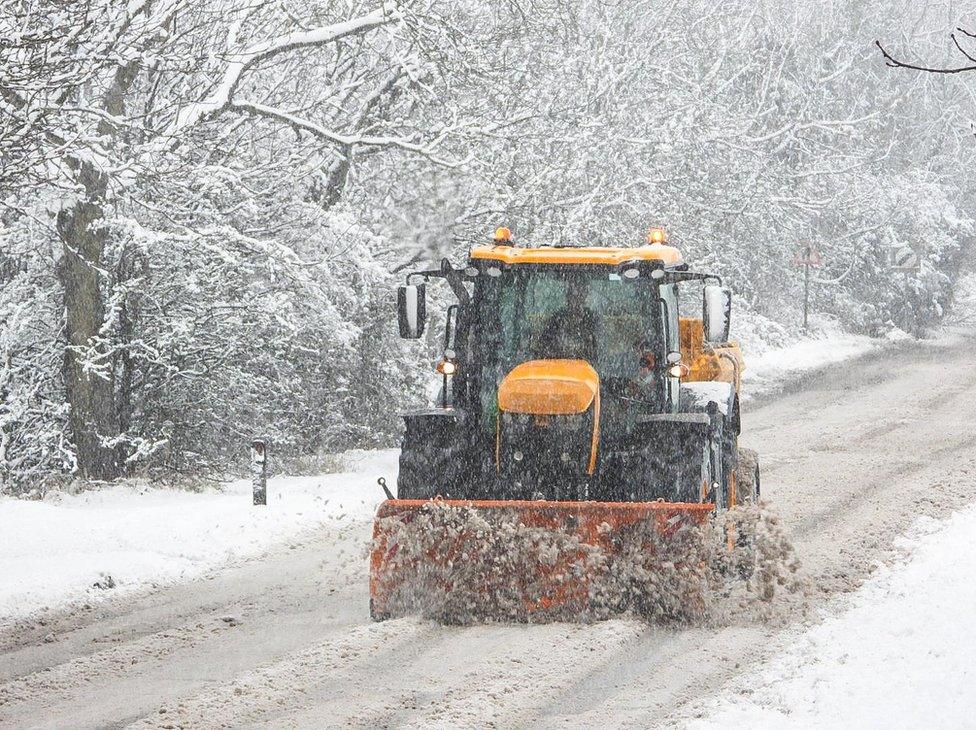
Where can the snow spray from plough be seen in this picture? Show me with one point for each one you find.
(582, 459)
(473, 562)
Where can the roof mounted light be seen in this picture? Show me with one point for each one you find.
(657, 236)
(657, 274)
(503, 236)
(632, 273)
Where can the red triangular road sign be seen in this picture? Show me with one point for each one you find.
(808, 255)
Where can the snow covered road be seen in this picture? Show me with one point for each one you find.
(849, 461)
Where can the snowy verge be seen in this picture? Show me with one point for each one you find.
(56, 550)
(901, 655)
(766, 372)
(768, 368)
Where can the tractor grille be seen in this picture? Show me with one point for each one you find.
(545, 456)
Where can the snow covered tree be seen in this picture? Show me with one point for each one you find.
(123, 99)
(205, 206)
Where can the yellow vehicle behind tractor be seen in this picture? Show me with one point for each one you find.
(575, 396)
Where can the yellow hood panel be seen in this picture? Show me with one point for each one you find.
(549, 387)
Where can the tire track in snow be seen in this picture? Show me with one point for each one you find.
(259, 695)
(481, 676)
(65, 679)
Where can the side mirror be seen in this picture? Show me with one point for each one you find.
(717, 307)
(412, 310)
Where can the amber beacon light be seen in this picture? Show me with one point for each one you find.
(657, 235)
(503, 236)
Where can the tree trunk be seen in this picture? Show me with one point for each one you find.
(91, 394)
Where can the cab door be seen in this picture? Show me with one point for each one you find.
(669, 319)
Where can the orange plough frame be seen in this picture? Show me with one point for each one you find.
(593, 523)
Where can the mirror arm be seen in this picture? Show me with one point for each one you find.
(452, 313)
(677, 277)
(455, 281)
(425, 275)
(449, 273)
(667, 322)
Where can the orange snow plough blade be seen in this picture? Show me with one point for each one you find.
(509, 560)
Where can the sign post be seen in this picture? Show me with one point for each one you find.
(259, 471)
(808, 257)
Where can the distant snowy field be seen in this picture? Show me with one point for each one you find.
(902, 654)
(55, 550)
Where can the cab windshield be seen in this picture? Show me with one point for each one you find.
(586, 313)
(597, 317)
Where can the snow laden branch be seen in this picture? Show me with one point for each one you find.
(346, 140)
(240, 62)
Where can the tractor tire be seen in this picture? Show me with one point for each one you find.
(430, 471)
(691, 467)
(747, 476)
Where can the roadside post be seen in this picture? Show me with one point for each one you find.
(259, 471)
(808, 257)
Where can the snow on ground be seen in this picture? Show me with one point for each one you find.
(901, 655)
(55, 550)
(768, 368)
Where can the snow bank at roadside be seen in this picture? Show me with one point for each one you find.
(767, 371)
(54, 551)
(773, 357)
(902, 654)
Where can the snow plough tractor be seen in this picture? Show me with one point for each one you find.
(576, 399)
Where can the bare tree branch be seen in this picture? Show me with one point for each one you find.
(895, 63)
(240, 62)
(345, 140)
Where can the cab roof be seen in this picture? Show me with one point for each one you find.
(667, 255)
